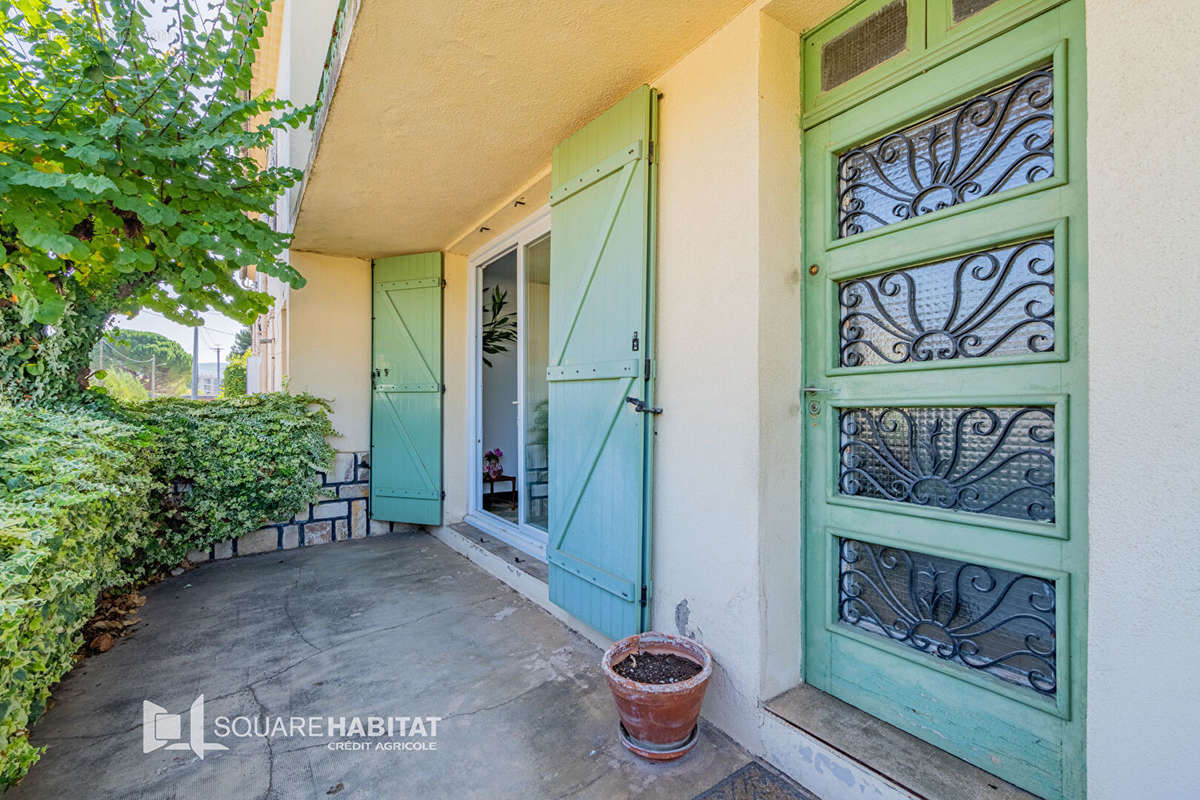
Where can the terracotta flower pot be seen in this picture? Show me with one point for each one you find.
(658, 720)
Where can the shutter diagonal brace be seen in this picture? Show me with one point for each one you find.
(595, 448)
(409, 444)
(585, 285)
(412, 339)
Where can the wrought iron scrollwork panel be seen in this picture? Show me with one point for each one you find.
(996, 302)
(980, 460)
(985, 618)
(995, 141)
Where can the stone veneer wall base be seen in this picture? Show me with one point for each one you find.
(343, 513)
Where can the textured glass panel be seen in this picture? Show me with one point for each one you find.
(965, 8)
(996, 141)
(874, 40)
(981, 460)
(997, 302)
(983, 617)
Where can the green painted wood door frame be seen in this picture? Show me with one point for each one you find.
(601, 355)
(406, 389)
(1026, 738)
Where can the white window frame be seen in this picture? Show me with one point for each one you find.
(524, 537)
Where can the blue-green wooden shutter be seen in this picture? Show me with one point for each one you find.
(601, 345)
(406, 395)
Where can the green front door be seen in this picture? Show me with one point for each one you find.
(406, 389)
(601, 348)
(945, 398)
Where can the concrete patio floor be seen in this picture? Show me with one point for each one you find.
(398, 625)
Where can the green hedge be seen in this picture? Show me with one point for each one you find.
(233, 465)
(103, 495)
(233, 379)
(78, 497)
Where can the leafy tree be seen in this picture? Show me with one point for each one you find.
(139, 350)
(127, 176)
(233, 379)
(241, 342)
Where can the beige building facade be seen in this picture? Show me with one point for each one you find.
(435, 135)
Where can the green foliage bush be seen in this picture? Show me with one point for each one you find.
(77, 504)
(101, 494)
(233, 379)
(233, 465)
(121, 384)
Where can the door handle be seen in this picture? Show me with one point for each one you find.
(640, 406)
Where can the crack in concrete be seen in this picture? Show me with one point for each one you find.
(367, 633)
(262, 710)
(277, 673)
(287, 609)
(482, 709)
(582, 787)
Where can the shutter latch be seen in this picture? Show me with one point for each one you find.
(640, 406)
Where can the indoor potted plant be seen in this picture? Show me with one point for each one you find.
(658, 682)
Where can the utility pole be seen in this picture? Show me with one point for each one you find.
(195, 361)
(218, 368)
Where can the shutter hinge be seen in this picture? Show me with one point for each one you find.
(443, 283)
(646, 374)
(651, 158)
(643, 595)
(443, 494)
(443, 388)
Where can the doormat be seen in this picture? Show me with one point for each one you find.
(756, 781)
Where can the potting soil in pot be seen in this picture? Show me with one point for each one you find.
(656, 668)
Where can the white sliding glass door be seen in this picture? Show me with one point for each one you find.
(509, 463)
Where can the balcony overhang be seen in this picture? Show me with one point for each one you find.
(442, 111)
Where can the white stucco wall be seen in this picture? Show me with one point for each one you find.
(779, 356)
(311, 23)
(1143, 721)
(706, 468)
(329, 338)
(304, 40)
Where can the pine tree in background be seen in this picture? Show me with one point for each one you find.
(241, 342)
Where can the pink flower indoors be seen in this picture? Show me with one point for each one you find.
(492, 467)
